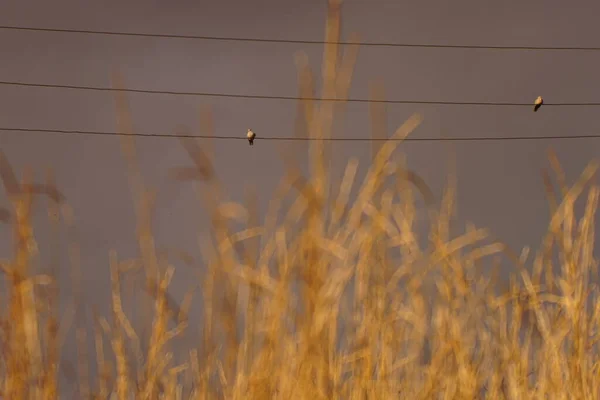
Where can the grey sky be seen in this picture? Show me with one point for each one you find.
(499, 182)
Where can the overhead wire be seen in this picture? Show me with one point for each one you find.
(276, 97)
(301, 139)
(299, 41)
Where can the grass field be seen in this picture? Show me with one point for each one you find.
(345, 301)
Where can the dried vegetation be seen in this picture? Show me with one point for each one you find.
(341, 300)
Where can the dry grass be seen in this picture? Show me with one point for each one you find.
(343, 299)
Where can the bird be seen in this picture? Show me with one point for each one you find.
(251, 135)
(538, 103)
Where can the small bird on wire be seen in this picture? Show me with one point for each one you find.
(538, 103)
(251, 135)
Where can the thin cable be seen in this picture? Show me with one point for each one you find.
(292, 41)
(302, 139)
(268, 97)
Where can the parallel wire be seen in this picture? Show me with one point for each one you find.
(300, 139)
(294, 41)
(273, 97)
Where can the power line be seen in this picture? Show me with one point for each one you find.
(272, 97)
(293, 41)
(301, 139)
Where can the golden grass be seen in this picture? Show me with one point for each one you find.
(343, 299)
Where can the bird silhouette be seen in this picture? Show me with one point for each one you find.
(538, 103)
(251, 135)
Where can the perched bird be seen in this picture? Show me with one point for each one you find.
(251, 135)
(538, 103)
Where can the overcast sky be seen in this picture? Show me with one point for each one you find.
(499, 182)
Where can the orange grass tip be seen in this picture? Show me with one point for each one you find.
(251, 136)
(538, 103)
